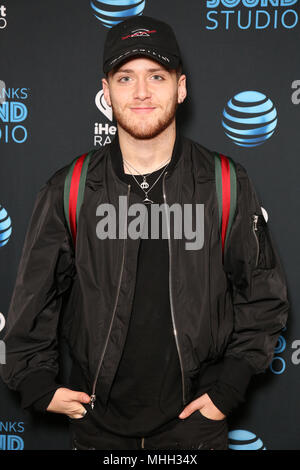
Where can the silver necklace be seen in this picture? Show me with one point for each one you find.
(145, 184)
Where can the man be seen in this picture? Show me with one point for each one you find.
(164, 340)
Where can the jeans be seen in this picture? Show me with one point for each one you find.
(194, 432)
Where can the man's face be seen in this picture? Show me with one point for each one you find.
(144, 96)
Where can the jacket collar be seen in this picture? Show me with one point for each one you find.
(117, 159)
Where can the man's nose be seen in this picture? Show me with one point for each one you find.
(142, 90)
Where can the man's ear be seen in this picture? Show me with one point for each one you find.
(105, 88)
(182, 91)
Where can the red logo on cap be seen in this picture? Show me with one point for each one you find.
(139, 32)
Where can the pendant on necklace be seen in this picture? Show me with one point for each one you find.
(144, 184)
(147, 200)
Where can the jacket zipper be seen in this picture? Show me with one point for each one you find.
(171, 300)
(93, 395)
(254, 228)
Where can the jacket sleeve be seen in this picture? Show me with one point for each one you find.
(44, 274)
(42, 403)
(259, 298)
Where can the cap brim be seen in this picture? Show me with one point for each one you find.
(170, 62)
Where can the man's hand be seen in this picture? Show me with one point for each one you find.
(68, 401)
(203, 403)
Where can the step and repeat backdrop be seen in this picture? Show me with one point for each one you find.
(239, 56)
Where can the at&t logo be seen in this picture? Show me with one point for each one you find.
(277, 365)
(249, 118)
(111, 12)
(5, 226)
(240, 439)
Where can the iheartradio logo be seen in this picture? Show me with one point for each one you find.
(103, 106)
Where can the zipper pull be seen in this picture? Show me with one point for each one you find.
(255, 219)
(93, 399)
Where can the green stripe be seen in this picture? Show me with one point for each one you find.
(67, 192)
(218, 182)
(233, 195)
(82, 183)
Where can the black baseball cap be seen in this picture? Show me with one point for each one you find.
(141, 35)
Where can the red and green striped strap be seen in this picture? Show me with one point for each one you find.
(226, 188)
(74, 191)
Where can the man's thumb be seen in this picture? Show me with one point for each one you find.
(82, 397)
(188, 410)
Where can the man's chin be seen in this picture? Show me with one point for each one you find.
(143, 135)
(145, 132)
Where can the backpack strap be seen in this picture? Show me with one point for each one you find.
(226, 188)
(74, 190)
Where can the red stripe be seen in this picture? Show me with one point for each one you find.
(225, 195)
(74, 194)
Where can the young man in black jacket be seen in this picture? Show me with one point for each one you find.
(164, 340)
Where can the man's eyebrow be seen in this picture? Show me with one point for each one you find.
(160, 69)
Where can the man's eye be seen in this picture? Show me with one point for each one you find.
(122, 78)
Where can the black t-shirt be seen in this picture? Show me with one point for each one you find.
(147, 388)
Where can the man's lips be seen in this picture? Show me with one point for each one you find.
(145, 109)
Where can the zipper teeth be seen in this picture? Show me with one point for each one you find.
(254, 229)
(171, 300)
(115, 306)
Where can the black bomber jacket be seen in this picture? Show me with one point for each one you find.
(229, 313)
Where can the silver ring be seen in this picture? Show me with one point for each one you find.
(84, 413)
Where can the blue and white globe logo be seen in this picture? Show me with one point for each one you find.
(240, 439)
(280, 345)
(5, 226)
(249, 118)
(278, 364)
(111, 12)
